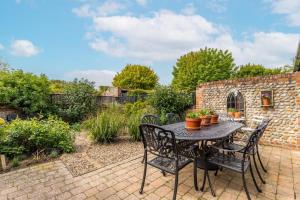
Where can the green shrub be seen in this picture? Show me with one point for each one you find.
(78, 101)
(106, 125)
(15, 162)
(139, 92)
(167, 100)
(133, 126)
(28, 136)
(24, 91)
(54, 154)
(134, 113)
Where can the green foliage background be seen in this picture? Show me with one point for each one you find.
(24, 91)
(166, 99)
(136, 77)
(205, 65)
(78, 101)
(28, 136)
(252, 70)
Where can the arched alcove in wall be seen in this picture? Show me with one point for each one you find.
(236, 100)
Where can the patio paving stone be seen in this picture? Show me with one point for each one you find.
(122, 181)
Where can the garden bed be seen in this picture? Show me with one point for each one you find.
(91, 156)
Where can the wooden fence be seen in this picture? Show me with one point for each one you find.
(101, 100)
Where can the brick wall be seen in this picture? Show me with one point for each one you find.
(284, 129)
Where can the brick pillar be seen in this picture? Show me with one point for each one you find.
(199, 97)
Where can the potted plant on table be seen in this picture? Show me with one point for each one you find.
(192, 121)
(231, 112)
(205, 117)
(214, 117)
(237, 114)
(266, 100)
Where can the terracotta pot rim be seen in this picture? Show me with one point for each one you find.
(205, 117)
(192, 120)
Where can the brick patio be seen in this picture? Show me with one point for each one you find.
(122, 181)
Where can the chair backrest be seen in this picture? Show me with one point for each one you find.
(150, 119)
(158, 141)
(257, 120)
(172, 118)
(225, 117)
(263, 126)
(254, 138)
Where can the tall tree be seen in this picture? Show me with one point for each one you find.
(136, 77)
(205, 65)
(251, 70)
(297, 59)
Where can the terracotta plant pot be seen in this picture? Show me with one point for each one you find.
(205, 120)
(214, 119)
(266, 102)
(192, 124)
(237, 115)
(231, 114)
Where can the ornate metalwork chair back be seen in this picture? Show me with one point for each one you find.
(150, 119)
(158, 141)
(173, 118)
(253, 140)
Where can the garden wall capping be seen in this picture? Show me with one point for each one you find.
(284, 129)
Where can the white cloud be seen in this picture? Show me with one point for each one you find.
(166, 35)
(1, 46)
(290, 8)
(24, 48)
(217, 6)
(162, 37)
(272, 49)
(189, 9)
(109, 7)
(142, 2)
(100, 77)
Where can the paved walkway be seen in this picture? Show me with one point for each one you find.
(122, 181)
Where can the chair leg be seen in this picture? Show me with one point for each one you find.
(143, 159)
(253, 178)
(163, 173)
(259, 159)
(245, 186)
(175, 185)
(204, 180)
(257, 170)
(216, 173)
(210, 185)
(195, 176)
(144, 175)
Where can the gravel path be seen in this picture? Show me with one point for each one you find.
(89, 156)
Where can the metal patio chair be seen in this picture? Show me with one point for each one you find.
(237, 158)
(173, 118)
(167, 152)
(151, 119)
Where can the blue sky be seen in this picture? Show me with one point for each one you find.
(95, 39)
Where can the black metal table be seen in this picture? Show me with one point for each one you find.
(207, 133)
(214, 132)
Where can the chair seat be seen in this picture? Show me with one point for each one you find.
(228, 161)
(168, 164)
(235, 146)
